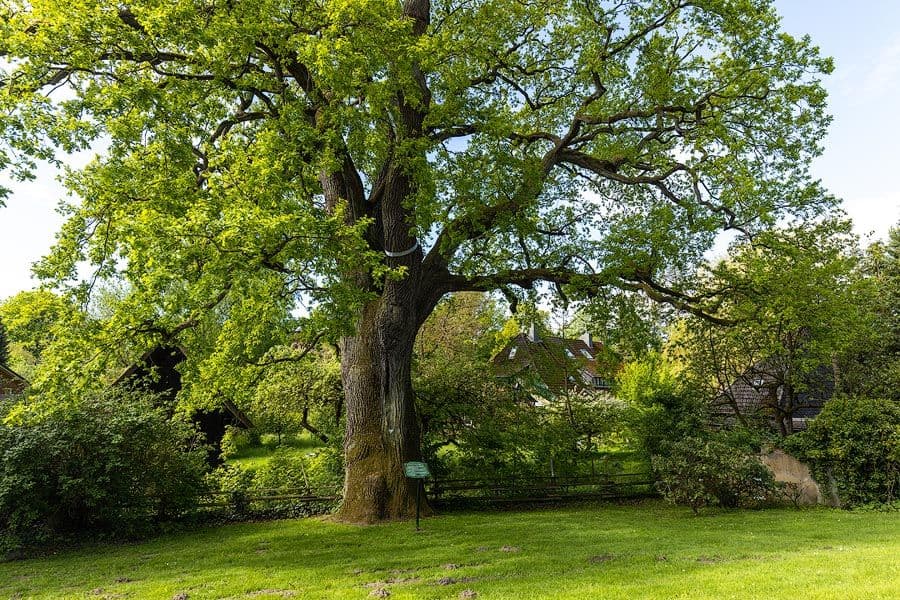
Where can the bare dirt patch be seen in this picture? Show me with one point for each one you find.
(454, 580)
(272, 592)
(392, 581)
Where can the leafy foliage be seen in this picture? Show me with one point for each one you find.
(667, 407)
(476, 427)
(854, 442)
(708, 470)
(300, 394)
(111, 463)
(797, 300)
(320, 470)
(871, 367)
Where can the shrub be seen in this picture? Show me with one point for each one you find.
(320, 471)
(704, 471)
(854, 442)
(236, 482)
(237, 439)
(110, 463)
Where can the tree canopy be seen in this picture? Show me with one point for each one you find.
(366, 157)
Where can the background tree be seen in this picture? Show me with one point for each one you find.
(798, 303)
(302, 395)
(33, 319)
(59, 347)
(452, 375)
(4, 345)
(370, 156)
(871, 367)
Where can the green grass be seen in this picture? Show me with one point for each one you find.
(645, 551)
(252, 458)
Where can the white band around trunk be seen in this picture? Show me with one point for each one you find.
(404, 253)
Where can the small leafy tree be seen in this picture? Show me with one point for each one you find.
(666, 407)
(300, 395)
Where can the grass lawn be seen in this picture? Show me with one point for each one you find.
(648, 550)
(252, 458)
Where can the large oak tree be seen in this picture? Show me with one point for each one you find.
(371, 156)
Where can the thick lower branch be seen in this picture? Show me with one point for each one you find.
(638, 282)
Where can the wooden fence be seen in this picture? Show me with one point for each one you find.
(448, 491)
(531, 489)
(244, 498)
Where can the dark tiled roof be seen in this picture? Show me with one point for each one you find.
(557, 363)
(758, 388)
(11, 383)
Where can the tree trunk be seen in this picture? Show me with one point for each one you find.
(382, 426)
(376, 362)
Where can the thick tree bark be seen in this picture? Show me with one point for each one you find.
(382, 426)
(383, 430)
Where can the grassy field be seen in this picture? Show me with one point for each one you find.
(622, 551)
(252, 458)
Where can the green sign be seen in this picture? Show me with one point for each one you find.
(416, 470)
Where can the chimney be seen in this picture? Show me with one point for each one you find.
(587, 339)
(532, 333)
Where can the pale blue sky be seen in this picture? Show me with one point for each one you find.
(862, 150)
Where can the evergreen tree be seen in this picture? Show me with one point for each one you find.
(4, 345)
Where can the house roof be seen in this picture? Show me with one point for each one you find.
(558, 363)
(158, 372)
(11, 383)
(754, 390)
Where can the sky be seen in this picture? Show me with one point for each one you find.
(861, 158)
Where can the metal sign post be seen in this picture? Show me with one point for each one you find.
(418, 471)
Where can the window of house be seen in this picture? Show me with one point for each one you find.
(512, 352)
(758, 382)
(569, 353)
(601, 383)
(587, 354)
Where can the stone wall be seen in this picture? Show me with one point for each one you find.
(789, 470)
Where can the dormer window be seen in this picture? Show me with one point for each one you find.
(758, 382)
(512, 352)
(586, 354)
(569, 353)
(601, 383)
